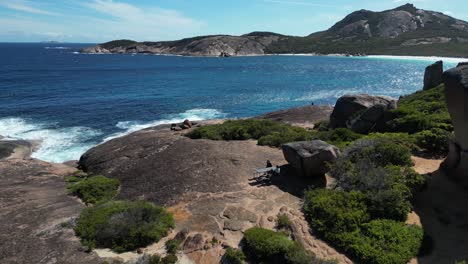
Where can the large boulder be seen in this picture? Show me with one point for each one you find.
(433, 75)
(310, 158)
(456, 93)
(361, 112)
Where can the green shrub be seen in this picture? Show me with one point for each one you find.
(169, 259)
(331, 212)
(172, 245)
(386, 242)
(267, 246)
(154, 259)
(94, 189)
(435, 140)
(401, 139)
(407, 176)
(380, 151)
(277, 139)
(123, 226)
(268, 133)
(388, 190)
(233, 256)
(322, 125)
(283, 222)
(340, 137)
(271, 133)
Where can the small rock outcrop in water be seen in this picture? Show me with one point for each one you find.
(309, 158)
(361, 112)
(433, 75)
(456, 92)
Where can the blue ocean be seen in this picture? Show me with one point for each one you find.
(71, 102)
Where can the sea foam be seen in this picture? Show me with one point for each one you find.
(192, 115)
(55, 144)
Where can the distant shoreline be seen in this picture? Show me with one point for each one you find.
(389, 57)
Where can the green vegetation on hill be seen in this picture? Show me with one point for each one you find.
(94, 189)
(423, 110)
(123, 226)
(424, 115)
(118, 43)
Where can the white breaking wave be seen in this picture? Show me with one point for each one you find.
(59, 48)
(55, 144)
(192, 115)
(417, 58)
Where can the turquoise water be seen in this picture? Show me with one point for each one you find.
(74, 101)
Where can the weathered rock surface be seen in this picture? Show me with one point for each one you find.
(161, 165)
(309, 158)
(456, 93)
(218, 45)
(305, 116)
(37, 214)
(433, 75)
(361, 112)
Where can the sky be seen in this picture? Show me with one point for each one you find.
(96, 21)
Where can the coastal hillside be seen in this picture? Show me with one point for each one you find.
(254, 43)
(405, 30)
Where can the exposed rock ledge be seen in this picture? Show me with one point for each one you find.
(218, 45)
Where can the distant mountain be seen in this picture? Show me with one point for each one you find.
(405, 30)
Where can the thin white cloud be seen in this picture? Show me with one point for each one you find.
(25, 6)
(103, 20)
(150, 17)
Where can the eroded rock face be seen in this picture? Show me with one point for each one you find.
(309, 158)
(433, 75)
(456, 92)
(361, 112)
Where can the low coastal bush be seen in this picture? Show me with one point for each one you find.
(267, 246)
(173, 245)
(385, 242)
(233, 256)
(387, 190)
(380, 151)
(94, 189)
(342, 219)
(271, 133)
(268, 133)
(435, 140)
(283, 222)
(332, 212)
(123, 226)
(402, 139)
(340, 137)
